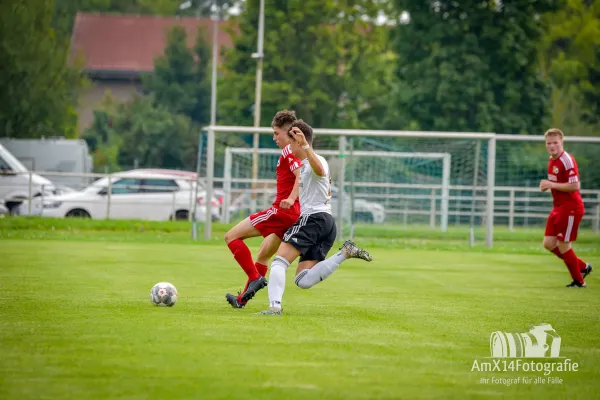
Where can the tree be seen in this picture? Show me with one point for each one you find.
(141, 133)
(320, 56)
(153, 136)
(472, 67)
(570, 61)
(205, 8)
(38, 90)
(180, 82)
(160, 129)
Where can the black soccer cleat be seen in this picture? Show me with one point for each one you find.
(232, 299)
(586, 271)
(253, 287)
(576, 284)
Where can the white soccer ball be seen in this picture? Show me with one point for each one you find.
(163, 294)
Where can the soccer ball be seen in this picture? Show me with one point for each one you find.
(163, 294)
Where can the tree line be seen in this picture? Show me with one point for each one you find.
(485, 66)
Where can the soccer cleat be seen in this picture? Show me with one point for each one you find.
(586, 271)
(253, 287)
(232, 299)
(576, 284)
(271, 311)
(351, 250)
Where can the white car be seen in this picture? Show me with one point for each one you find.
(144, 194)
(364, 210)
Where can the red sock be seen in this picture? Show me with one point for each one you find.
(572, 263)
(557, 252)
(262, 268)
(582, 264)
(242, 255)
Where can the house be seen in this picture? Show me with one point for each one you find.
(116, 50)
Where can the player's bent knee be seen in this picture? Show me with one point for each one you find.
(563, 247)
(302, 284)
(301, 280)
(550, 243)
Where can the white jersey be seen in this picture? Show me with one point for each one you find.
(315, 190)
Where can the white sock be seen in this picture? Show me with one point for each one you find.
(277, 281)
(310, 277)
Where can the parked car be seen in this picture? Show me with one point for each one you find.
(364, 210)
(3, 210)
(137, 194)
(53, 157)
(15, 182)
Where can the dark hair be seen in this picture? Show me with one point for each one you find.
(305, 128)
(283, 117)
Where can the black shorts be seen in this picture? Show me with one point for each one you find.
(312, 235)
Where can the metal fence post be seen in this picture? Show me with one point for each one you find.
(597, 222)
(30, 196)
(432, 209)
(210, 175)
(42, 200)
(511, 211)
(227, 186)
(445, 193)
(108, 196)
(491, 183)
(341, 186)
(173, 216)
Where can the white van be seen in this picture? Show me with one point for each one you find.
(15, 182)
(49, 155)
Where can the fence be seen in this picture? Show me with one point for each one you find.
(142, 194)
(485, 169)
(513, 206)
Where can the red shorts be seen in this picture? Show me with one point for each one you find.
(273, 220)
(563, 223)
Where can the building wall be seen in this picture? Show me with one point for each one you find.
(91, 97)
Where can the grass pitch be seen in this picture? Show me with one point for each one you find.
(77, 322)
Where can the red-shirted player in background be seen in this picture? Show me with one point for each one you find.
(563, 221)
(273, 222)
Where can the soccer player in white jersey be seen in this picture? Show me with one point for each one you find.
(313, 235)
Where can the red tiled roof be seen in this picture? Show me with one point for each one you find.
(130, 43)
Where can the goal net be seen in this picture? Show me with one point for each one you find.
(372, 193)
(417, 179)
(464, 182)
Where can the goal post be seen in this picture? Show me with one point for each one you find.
(454, 175)
(443, 185)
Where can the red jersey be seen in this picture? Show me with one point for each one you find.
(286, 164)
(564, 170)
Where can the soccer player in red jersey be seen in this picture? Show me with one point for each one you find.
(273, 222)
(563, 221)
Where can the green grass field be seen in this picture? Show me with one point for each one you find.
(77, 323)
